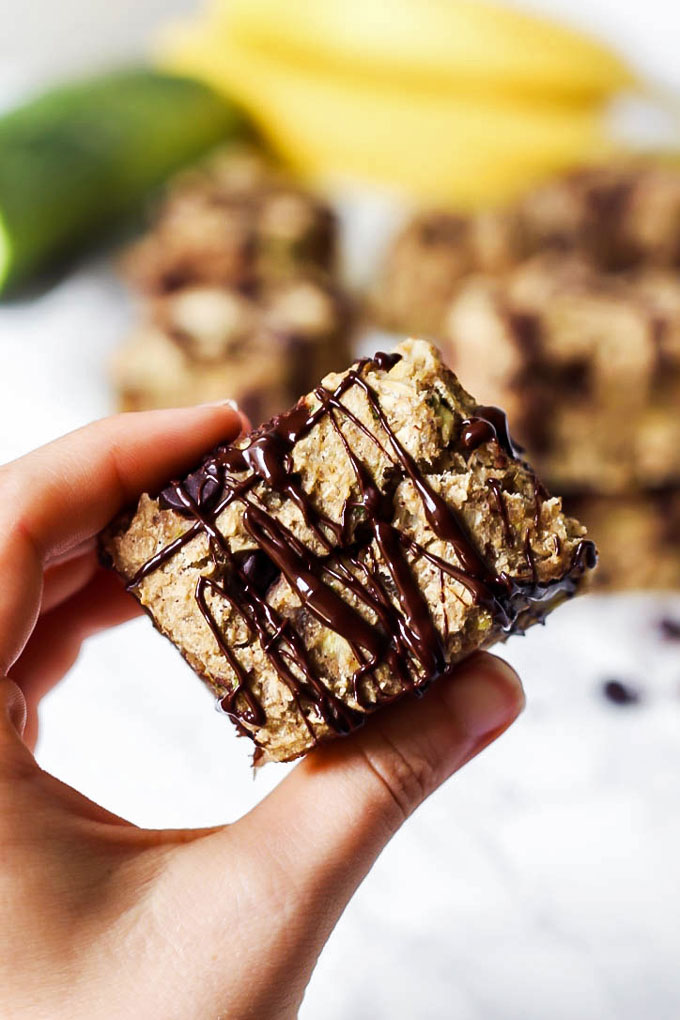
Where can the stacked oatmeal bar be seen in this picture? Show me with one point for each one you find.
(565, 310)
(238, 292)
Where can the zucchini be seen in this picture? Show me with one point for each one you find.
(81, 157)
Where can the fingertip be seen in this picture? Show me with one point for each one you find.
(493, 667)
(246, 424)
(217, 411)
(226, 411)
(151, 446)
(485, 694)
(223, 413)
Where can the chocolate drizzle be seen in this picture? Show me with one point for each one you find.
(399, 632)
(489, 423)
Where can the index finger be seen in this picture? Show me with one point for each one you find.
(64, 493)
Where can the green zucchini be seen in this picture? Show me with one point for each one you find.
(77, 160)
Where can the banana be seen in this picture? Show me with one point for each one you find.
(435, 146)
(473, 46)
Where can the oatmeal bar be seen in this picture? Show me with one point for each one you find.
(349, 551)
(206, 343)
(587, 365)
(234, 221)
(619, 214)
(428, 261)
(638, 538)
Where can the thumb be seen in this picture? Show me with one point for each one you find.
(336, 811)
(292, 864)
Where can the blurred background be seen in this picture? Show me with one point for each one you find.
(321, 180)
(39, 41)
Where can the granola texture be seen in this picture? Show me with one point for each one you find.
(238, 296)
(430, 258)
(620, 215)
(349, 551)
(204, 343)
(234, 221)
(586, 364)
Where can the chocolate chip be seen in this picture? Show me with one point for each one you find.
(669, 629)
(204, 487)
(620, 693)
(259, 570)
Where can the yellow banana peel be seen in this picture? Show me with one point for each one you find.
(473, 46)
(435, 146)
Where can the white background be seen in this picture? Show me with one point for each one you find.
(544, 881)
(43, 35)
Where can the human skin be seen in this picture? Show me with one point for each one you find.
(102, 919)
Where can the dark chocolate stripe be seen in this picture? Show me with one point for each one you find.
(403, 637)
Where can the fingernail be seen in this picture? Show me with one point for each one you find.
(227, 402)
(485, 695)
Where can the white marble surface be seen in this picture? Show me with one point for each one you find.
(543, 882)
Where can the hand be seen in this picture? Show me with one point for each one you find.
(101, 919)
